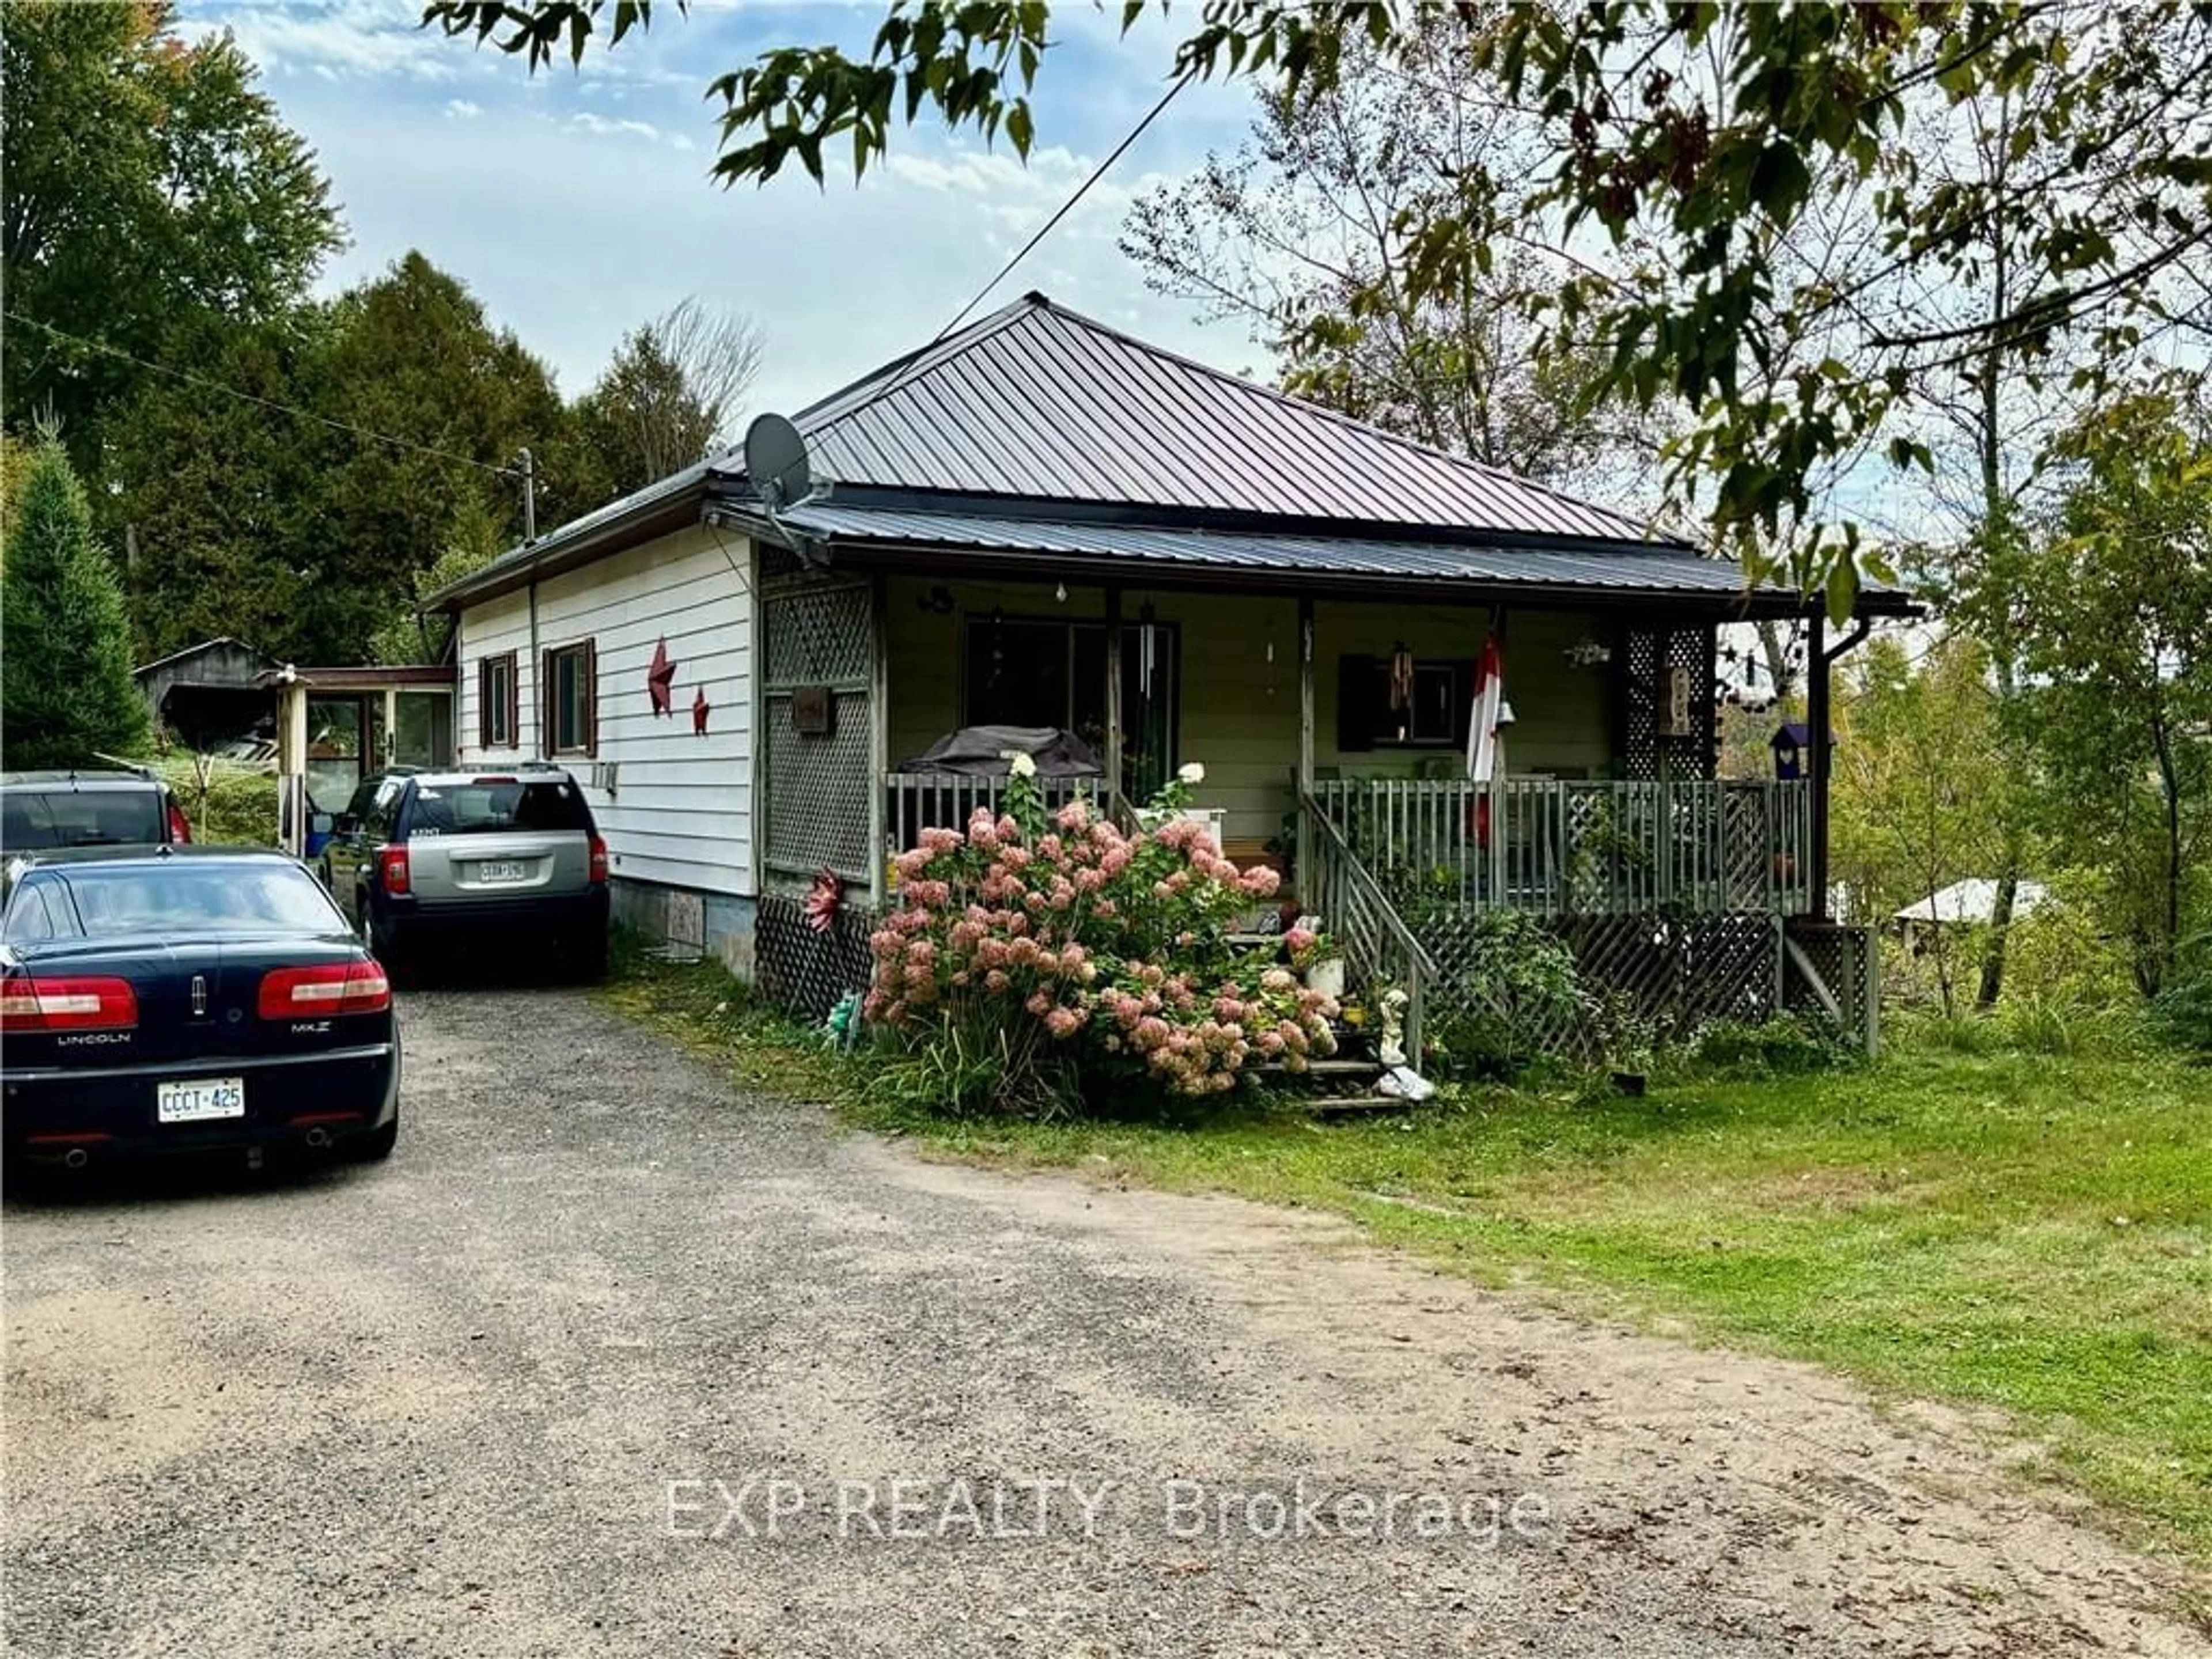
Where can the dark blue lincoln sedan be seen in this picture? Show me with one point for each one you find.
(185, 999)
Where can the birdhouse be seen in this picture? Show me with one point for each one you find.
(1793, 749)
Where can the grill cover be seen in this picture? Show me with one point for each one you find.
(979, 751)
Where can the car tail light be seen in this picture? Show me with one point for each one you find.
(334, 987)
(392, 865)
(36, 1003)
(599, 858)
(180, 827)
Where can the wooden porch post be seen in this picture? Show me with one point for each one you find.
(1302, 868)
(1113, 756)
(879, 736)
(1816, 734)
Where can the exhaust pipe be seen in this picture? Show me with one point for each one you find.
(76, 1158)
(319, 1137)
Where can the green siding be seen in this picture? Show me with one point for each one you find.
(1240, 712)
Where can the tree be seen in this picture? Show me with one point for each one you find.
(1706, 133)
(303, 533)
(1298, 236)
(1916, 763)
(147, 183)
(66, 693)
(672, 393)
(2116, 624)
(410, 634)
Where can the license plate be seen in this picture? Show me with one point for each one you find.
(199, 1099)
(491, 871)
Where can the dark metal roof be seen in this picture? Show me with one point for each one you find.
(217, 643)
(1036, 401)
(1648, 571)
(1040, 436)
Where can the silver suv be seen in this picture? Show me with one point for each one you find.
(454, 859)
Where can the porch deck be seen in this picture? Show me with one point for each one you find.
(1551, 847)
(1560, 847)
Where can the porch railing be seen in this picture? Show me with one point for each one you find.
(1554, 846)
(930, 800)
(1360, 917)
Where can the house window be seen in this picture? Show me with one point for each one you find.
(1370, 715)
(496, 702)
(1043, 671)
(572, 699)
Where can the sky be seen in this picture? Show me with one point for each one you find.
(577, 203)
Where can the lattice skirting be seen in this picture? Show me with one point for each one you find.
(1675, 972)
(804, 970)
(1680, 971)
(1848, 966)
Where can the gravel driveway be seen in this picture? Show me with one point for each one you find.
(609, 1360)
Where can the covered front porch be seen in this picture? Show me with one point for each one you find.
(1332, 727)
(1322, 719)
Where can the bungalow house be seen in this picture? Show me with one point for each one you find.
(1040, 520)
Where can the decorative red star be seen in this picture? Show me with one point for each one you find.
(660, 679)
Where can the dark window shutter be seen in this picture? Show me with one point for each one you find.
(547, 735)
(1363, 688)
(590, 732)
(513, 701)
(483, 704)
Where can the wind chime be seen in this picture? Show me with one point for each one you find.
(1401, 688)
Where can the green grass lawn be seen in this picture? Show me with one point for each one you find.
(2028, 1232)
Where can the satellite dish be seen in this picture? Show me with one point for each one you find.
(775, 461)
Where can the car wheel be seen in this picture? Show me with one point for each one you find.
(377, 1144)
(590, 957)
(386, 946)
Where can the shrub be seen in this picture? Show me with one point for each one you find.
(1035, 964)
(2181, 1013)
(228, 804)
(1785, 1044)
(1518, 993)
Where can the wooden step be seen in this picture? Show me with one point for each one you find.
(1339, 1067)
(1331, 1104)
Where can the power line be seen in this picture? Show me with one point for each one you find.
(266, 403)
(1042, 231)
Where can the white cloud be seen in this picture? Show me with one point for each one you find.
(338, 41)
(585, 121)
(598, 176)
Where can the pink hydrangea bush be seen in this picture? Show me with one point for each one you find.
(1086, 961)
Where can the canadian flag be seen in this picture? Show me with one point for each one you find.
(1485, 735)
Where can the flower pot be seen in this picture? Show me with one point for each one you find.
(1327, 977)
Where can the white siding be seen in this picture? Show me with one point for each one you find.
(681, 813)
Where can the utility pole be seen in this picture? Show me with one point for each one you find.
(529, 496)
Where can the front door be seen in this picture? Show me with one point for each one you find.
(1023, 670)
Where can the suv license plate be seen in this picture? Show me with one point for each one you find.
(508, 871)
(199, 1099)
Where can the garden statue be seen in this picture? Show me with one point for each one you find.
(1393, 1049)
